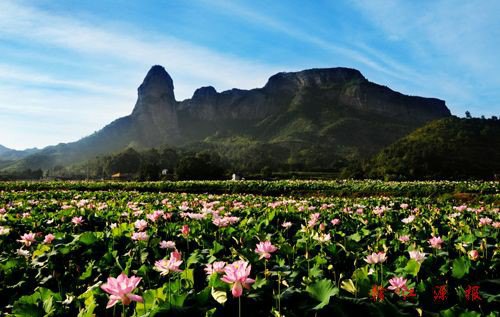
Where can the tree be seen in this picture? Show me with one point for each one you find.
(467, 114)
(127, 161)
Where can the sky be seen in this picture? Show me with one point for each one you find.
(68, 68)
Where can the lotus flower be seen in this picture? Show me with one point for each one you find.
(409, 219)
(141, 225)
(27, 239)
(375, 258)
(322, 238)
(77, 221)
(171, 265)
(417, 256)
(335, 221)
(398, 284)
(167, 245)
(4, 231)
(264, 249)
(48, 238)
(404, 238)
(140, 236)
(435, 242)
(185, 230)
(313, 220)
(286, 225)
(237, 274)
(121, 289)
(473, 255)
(484, 221)
(216, 267)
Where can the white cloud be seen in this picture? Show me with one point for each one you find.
(196, 63)
(125, 53)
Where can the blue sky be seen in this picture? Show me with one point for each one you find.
(67, 68)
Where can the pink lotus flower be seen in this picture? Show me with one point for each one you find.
(167, 245)
(27, 239)
(264, 249)
(417, 256)
(156, 215)
(435, 242)
(404, 238)
(121, 289)
(185, 230)
(237, 274)
(141, 225)
(398, 284)
(77, 221)
(375, 258)
(484, 221)
(496, 225)
(49, 238)
(473, 255)
(140, 236)
(171, 265)
(313, 220)
(403, 206)
(335, 221)
(216, 267)
(286, 225)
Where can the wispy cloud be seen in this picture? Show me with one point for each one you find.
(181, 58)
(9, 73)
(128, 52)
(364, 56)
(456, 44)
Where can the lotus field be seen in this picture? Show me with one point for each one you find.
(129, 253)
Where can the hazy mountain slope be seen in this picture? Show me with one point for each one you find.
(7, 154)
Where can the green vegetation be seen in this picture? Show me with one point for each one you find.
(333, 188)
(450, 148)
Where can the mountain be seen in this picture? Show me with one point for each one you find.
(7, 154)
(450, 148)
(316, 117)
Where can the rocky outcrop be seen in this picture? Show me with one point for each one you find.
(155, 114)
(335, 87)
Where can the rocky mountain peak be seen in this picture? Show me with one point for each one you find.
(157, 83)
(204, 92)
(154, 113)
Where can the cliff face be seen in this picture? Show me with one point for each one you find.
(336, 87)
(155, 114)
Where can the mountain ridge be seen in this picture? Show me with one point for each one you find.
(294, 109)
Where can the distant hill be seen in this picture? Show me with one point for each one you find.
(316, 119)
(7, 154)
(450, 148)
